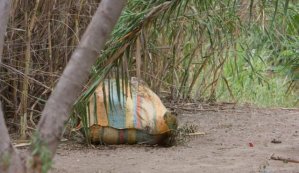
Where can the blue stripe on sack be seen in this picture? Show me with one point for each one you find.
(117, 115)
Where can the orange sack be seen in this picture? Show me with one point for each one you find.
(120, 113)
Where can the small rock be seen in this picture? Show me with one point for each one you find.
(275, 141)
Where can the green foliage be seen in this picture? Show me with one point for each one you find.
(205, 50)
(41, 154)
(267, 60)
(179, 38)
(259, 85)
(5, 160)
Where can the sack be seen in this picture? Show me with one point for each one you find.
(120, 113)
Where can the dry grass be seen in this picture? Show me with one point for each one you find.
(40, 38)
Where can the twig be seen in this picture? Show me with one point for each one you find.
(283, 159)
(192, 109)
(290, 109)
(22, 144)
(17, 124)
(196, 134)
(25, 143)
(32, 107)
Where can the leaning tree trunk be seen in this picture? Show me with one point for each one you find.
(58, 107)
(10, 161)
(71, 83)
(8, 154)
(4, 14)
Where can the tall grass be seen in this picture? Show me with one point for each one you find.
(259, 85)
(266, 70)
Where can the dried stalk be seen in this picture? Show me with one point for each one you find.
(24, 98)
(138, 57)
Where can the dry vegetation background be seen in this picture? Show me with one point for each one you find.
(186, 49)
(40, 39)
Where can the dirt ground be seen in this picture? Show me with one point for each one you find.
(240, 140)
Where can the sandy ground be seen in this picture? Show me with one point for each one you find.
(224, 148)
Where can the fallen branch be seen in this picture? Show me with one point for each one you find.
(196, 134)
(290, 109)
(286, 160)
(26, 144)
(192, 109)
